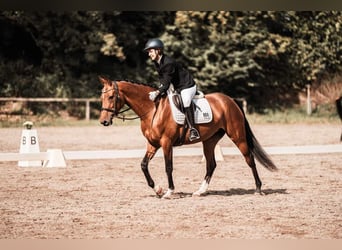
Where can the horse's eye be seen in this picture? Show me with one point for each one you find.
(111, 97)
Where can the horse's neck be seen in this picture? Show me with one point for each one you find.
(136, 97)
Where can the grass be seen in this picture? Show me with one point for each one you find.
(292, 116)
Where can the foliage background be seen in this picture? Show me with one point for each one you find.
(266, 57)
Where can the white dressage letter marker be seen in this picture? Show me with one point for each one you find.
(29, 144)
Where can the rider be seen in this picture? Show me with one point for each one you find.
(172, 72)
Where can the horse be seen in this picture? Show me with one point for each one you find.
(161, 131)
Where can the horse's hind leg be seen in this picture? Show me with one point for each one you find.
(239, 137)
(251, 163)
(208, 150)
(247, 154)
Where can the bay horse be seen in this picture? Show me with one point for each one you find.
(161, 131)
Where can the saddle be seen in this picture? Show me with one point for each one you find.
(200, 105)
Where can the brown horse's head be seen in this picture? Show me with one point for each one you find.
(111, 101)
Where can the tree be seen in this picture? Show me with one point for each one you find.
(77, 46)
(266, 57)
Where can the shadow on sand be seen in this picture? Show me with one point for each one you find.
(231, 192)
(242, 191)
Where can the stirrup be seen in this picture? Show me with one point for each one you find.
(194, 135)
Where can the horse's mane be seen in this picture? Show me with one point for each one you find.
(152, 85)
(138, 83)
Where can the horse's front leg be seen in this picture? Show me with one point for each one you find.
(150, 152)
(168, 158)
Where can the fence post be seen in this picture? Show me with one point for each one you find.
(87, 115)
(308, 100)
(244, 105)
(43, 99)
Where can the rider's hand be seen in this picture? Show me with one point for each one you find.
(153, 95)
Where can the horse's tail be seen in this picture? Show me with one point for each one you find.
(256, 148)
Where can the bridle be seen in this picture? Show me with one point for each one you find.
(115, 112)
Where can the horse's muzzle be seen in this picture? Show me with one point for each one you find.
(106, 123)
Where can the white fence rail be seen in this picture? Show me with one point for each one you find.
(51, 155)
(87, 101)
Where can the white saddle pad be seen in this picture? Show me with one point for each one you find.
(203, 112)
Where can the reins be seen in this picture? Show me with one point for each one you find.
(116, 114)
(123, 118)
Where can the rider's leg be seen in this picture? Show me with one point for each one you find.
(189, 117)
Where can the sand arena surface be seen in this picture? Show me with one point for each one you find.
(93, 199)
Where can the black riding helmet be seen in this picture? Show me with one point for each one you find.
(154, 43)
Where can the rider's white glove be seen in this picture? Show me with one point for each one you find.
(153, 95)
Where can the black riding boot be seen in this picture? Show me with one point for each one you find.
(189, 117)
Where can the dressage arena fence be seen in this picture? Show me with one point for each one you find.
(57, 157)
(87, 101)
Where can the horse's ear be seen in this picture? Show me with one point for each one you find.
(103, 80)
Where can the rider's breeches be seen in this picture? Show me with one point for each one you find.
(187, 95)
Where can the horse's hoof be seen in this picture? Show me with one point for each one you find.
(259, 192)
(168, 194)
(159, 191)
(197, 194)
